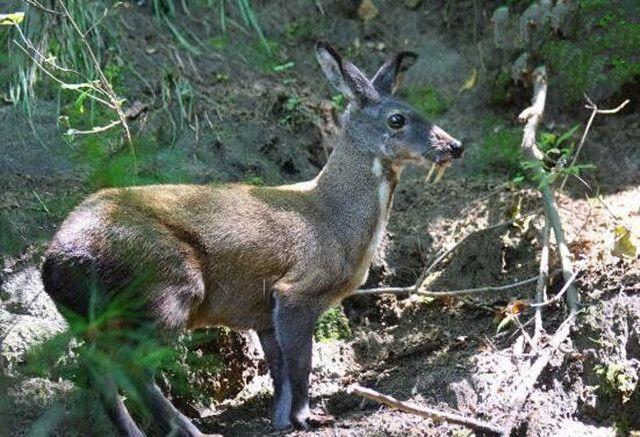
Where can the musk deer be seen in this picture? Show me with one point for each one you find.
(271, 259)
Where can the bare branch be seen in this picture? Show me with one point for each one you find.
(542, 281)
(524, 388)
(47, 59)
(412, 289)
(594, 111)
(94, 130)
(614, 110)
(557, 297)
(532, 115)
(60, 81)
(38, 5)
(431, 413)
(105, 84)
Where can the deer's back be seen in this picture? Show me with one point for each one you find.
(232, 244)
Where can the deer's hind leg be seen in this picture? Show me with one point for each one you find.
(169, 288)
(106, 388)
(167, 419)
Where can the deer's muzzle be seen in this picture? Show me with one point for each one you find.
(447, 148)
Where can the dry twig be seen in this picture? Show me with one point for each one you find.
(542, 282)
(529, 379)
(412, 289)
(431, 413)
(594, 111)
(532, 117)
(420, 282)
(105, 85)
(557, 297)
(102, 86)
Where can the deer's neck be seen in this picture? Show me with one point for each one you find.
(356, 189)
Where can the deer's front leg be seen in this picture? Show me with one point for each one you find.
(280, 377)
(294, 322)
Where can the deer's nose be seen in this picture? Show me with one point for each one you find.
(457, 149)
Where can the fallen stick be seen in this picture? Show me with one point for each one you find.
(431, 413)
(542, 282)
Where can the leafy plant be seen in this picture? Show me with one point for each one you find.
(332, 325)
(557, 149)
(110, 339)
(617, 380)
(339, 102)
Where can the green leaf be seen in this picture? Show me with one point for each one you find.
(283, 67)
(568, 134)
(12, 19)
(625, 245)
(548, 138)
(504, 322)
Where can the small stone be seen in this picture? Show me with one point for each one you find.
(367, 10)
(412, 4)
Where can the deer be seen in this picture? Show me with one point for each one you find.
(266, 258)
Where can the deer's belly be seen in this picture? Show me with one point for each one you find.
(239, 307)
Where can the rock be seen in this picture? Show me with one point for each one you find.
(27, 317)
(22, 293)
(18, 333)
(367, 10)
(500, 23)
(412, 4)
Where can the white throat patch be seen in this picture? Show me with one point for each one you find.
(376, 169)
(384, 191)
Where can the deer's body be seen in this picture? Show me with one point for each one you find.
(270, 259)
(233, 244)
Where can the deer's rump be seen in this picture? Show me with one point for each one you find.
(136, 267)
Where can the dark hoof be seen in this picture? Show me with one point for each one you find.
(281, 424)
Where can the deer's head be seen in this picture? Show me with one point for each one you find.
(375, 119)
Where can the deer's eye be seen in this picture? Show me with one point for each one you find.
(396, 121)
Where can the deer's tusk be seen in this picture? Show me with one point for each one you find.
(431, 170)
(440, 173)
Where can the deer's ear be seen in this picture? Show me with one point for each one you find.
(389, 76)
(345, 76)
